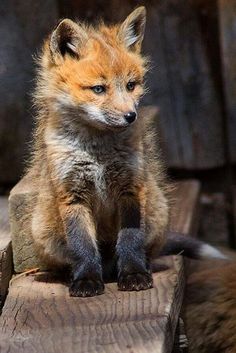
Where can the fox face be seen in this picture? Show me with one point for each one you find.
(95, 76)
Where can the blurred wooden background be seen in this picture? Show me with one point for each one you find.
(192, 45)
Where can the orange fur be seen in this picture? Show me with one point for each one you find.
(87, 158)
(102, 60)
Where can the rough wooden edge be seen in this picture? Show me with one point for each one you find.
(181, 341)
(185, 219)
(21, 202)
(6, 270)
(6, 263)
(40, 316)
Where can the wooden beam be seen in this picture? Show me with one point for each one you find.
(39, 316)
(21, 202)
(184, 215)
(227, 20)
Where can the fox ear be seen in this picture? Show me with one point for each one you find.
(67, 39)
(131, 31)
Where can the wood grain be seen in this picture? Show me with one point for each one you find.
(21, 203)
(39, 316)
(184, 215)
(6, 265)
(227, 20)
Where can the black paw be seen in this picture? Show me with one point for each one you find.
(86, 288)
(135, 281)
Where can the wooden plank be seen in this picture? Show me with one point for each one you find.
(227, 20)
(184, 215)
(183, 87)
(6, 267)
(39, 315)
(21, 202)
(23, 26)
(181, 341)
(215, 223)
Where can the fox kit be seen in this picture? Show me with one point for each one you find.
(101, 205)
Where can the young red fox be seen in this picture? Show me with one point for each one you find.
(102, 205)
(101, 202)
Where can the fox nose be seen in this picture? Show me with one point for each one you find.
(130, 117)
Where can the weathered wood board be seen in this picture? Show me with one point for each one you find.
(21, 203)
(214, 224)
(182, 85)
(6, 264)
(23, 26)
(227, 20)
(39, 316)
(181, 215)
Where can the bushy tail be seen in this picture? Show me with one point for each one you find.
(179, 244)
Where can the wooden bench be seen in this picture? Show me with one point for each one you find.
(39, 315)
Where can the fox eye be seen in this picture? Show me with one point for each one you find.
(98, 89)
(131, 85)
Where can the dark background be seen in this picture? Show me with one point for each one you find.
(192, 45)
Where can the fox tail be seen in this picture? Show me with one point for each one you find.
(180, 244)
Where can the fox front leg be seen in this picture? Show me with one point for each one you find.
(84, 255)
(133, 266)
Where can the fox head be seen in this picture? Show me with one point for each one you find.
(95, 75)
